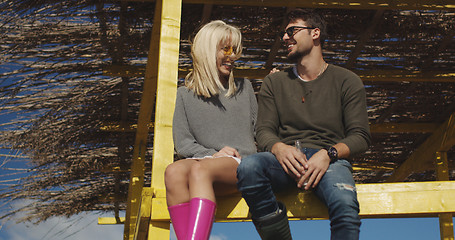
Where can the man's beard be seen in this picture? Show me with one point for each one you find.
(297, 55)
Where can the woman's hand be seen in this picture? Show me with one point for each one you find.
(274, 70)
(227, 151)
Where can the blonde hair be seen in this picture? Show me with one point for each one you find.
(204, 80)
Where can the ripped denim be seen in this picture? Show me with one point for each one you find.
(260, 176)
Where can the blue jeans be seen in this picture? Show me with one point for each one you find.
(260, 175)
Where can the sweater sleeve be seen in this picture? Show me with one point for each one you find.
(184, 142)
(253, 104)
(268, 122)
(355, 118)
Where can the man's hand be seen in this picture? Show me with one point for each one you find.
(317, 166)
(227, 151)
(292, 160)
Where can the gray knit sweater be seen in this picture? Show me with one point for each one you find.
(203, 126)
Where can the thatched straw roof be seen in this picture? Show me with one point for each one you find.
(71, 77)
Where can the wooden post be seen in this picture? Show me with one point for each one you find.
(160, 83)
(445, 219)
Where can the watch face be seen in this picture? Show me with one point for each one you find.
(333, 154)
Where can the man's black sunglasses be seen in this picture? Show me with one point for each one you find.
(291, 31)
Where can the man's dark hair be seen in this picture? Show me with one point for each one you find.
(312, 18)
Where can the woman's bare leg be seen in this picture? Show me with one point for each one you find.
(176, 181)
(206, 173)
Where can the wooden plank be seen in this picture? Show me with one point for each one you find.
(119, 127)
(367, 76)
(143, 222)
(163, 146)
(388, 200)
(350, 4)
(403, 127)
(374, 128)
(446, 226)
(110, 220)
(442, 174)
(407, 199)
(161, 74)
(442, 166)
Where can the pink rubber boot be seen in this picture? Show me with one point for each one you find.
(202, 214)
(179, 216)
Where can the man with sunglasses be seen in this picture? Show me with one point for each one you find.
(324, 107)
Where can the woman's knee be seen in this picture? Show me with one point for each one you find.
(174, 174)
(198, 171)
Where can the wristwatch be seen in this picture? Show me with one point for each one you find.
(333, 153)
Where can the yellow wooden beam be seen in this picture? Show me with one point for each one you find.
(388, 200)
(163, 145)
(169, 12)
(143, 221)
(158, 230)
(350, 4)
(161, 74)
(407, 199)
(117, 127)
(123, 71)
(368, 75)
(140, 146)
(403, 127)
(442, 166)
(423, 157)
(110, 220)
(374, 128)
(407, 76)
(446, 226)
(370, 167)
(397, 200)
(442, 174)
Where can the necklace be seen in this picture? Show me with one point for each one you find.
(324, 67)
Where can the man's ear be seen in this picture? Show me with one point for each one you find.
(316, 33)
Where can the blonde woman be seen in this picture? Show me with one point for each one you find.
(213, 129)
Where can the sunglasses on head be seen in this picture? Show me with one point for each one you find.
(291, 31)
